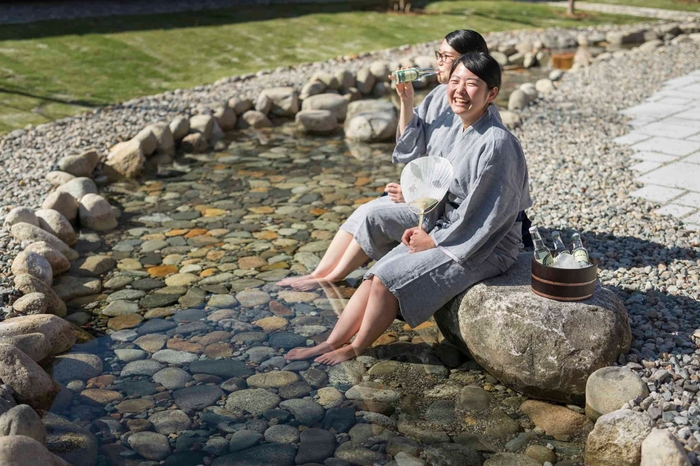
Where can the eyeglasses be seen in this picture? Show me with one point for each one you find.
(439, 56)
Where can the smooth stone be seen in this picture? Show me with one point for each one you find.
(252, 298)
(307, 412)
(557, 421)
(22, 420)
(172, 378)
(197, 397)
(26, 284)
(129, 355)
(221, 368)
(146, 367)
(156, 326)
(315, 446)
(275, 379)
(661, 447)
(617, 438)
(282, 433)
(127, 295)
(135, 406)
(170, 422)
(93, 266)
(608, 388)
(139, 388)
(243, 439)
(254, 401)
(19, 450)
(120, 308)
(72, 443)
(473, 398)
(222, 301)
(152, 342)
(357, 454)
(286, 340)
(371, 391)
(169, 356)
(73, 366)
(150, 445)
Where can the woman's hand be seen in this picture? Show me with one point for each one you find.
(417, 240)
(394, 192)
(405, 91)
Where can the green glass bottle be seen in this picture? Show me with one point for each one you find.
(411, 74)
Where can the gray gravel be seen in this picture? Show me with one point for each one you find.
(581, 180)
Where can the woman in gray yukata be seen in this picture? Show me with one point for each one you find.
(376, 227)
(476, 235)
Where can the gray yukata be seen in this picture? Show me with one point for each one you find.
(378, 225)
(475, 232)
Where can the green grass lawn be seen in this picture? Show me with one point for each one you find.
(663, 4)
(57, 68)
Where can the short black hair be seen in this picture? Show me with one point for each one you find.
(483, 65)
(466, 41)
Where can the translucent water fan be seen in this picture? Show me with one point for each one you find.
(424, 182)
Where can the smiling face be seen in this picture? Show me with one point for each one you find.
(447, 56)
(468, 95)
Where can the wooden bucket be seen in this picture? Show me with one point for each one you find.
(563, 284)
(563, 60)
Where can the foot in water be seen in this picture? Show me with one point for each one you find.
(309, 283)
(306, 353)
(289, 280)
(332, 358)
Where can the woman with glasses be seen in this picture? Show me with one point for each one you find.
(376, 227)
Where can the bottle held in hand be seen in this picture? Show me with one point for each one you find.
(578, 251)
(542, 253)
(411, 74)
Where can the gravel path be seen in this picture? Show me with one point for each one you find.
(658, 13)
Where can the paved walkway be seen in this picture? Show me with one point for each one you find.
(665, 137)
(673, 15)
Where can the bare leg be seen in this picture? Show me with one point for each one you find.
(348, 324)
(382, 308)
(353, 257)
(330, 259)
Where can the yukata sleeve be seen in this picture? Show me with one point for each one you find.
(488, 212)
(413, 143)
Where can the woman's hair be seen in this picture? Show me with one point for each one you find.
(483, 65)
(466, 41)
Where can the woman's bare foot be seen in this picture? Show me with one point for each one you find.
(306, 353)
(336, 357)
(289, 280)
(308, 284)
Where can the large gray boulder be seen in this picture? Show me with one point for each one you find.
(543, 348)
(370, 121)
(27, 232)
(30, 383)
(284, 101)
(334, 103)
(58, 332)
